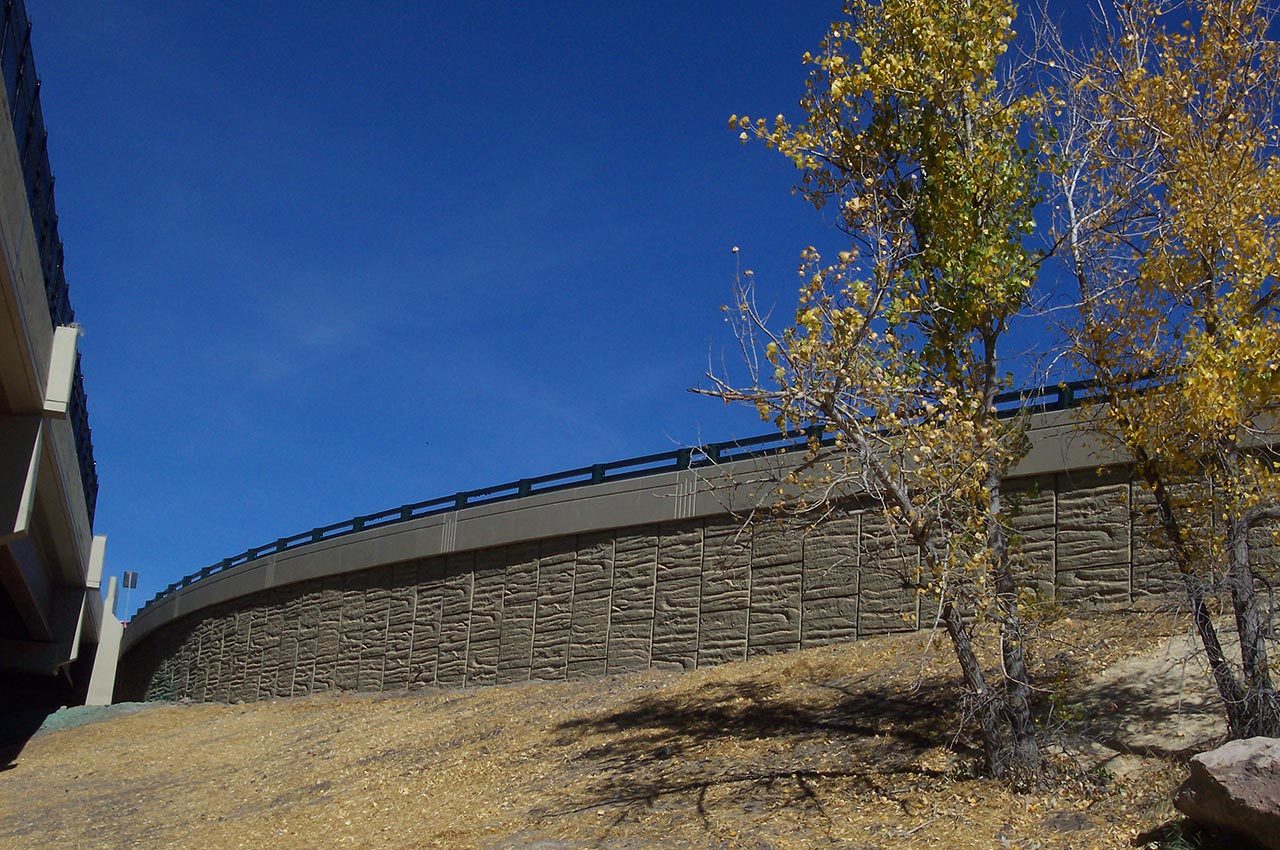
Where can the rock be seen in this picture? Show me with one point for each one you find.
(1236, 788)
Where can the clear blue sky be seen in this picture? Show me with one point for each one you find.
(331, 258)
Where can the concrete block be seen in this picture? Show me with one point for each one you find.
(209, 661)
(373, 629)
(677, 592)
(199, 678)
(830, 554)
(484, 642)
(592, 588)
(273, 640)
(1156, 579)
(1030, 507)
(554, 610)
(277, 677)
(181, 652)
(428, 616)
(777, 584)
(890, 568)
(328, 634)
(519, 605)
(585, 668)
(635, 566)
(213, 655)
(725, 595)
(1093, 539)
(1264, 553)
(347, 671)
(258, 649)
(308, 628)
(455, 619)
(160, 682)
(240, 651)
(1102, 587)
(401, 600)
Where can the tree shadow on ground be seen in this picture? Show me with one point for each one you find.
(1131, 717)
(1159, 702)
(774, 747)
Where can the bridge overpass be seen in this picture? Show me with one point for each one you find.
(52, 614)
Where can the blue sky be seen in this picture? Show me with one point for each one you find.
(333, 259)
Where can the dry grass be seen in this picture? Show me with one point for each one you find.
(853, 746)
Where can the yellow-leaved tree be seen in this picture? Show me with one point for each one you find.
(927, 155)
(1169, 177)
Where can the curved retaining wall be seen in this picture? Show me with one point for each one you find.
(653, 571)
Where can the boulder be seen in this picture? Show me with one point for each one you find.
(1236, 788)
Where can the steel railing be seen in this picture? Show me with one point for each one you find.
(1035, 400)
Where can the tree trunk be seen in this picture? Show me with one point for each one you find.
(1025, 756)
(1260, 713)
(1233, 694)
(988, 707)
(1229, 688)
(1026, 750)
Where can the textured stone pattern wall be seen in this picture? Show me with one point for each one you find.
(677, 595)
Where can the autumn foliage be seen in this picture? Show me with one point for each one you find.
(1170, 183)
(930, 161)
(941, 139)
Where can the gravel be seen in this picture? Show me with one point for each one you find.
(79, 715)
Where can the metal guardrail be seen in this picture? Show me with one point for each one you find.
(1035, 400)
(22, 87)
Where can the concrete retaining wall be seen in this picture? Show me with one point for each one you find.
(686, 592)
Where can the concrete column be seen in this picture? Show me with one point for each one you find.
(102, 682)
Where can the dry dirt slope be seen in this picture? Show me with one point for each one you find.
(852, 746)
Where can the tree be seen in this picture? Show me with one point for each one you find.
(1168, 177)
(928, 158)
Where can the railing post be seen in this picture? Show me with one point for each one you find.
(597, 473)
(682, 458)
(460, 501)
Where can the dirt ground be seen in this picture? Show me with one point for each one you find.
(856, 746)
